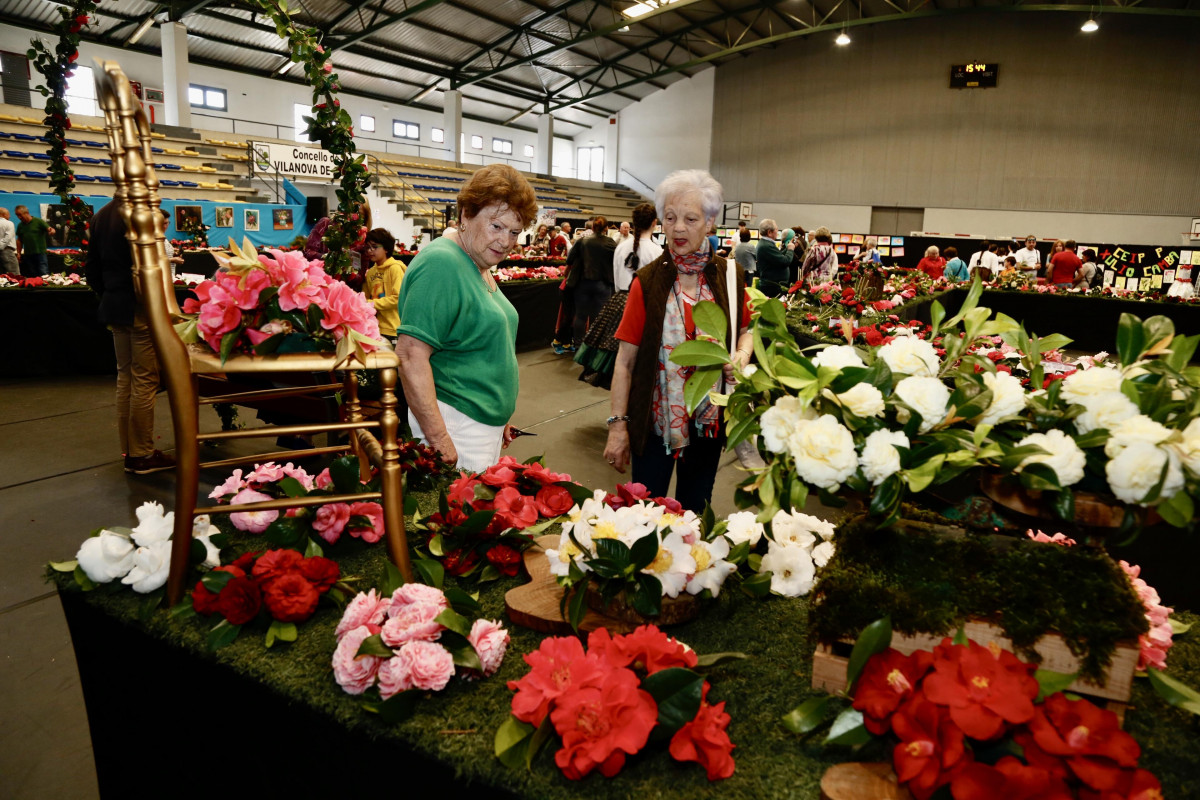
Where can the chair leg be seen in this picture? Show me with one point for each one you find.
(182, 394)
(391, 477)
(354, 414)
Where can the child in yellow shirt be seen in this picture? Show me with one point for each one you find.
(382, 286)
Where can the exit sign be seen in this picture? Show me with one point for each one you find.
(974, 75)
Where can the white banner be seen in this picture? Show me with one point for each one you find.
(293, 161)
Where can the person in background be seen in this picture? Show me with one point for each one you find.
(590, 268)
(109, 271)
(382, 284)
(623, 233)
(820, 264)
(1056, 248)
(984, 261)
(932, 264)
(457, 335)
(32, 234)
(714, 241)
(560, 241)
(1064, 265)
(956, 268)
(650, 424)
(771, 262)
(172, 258)
(869, 253)
(8, 245)
(746, 254)
(1086, 277)
(564, 326)
(539, 243)
(580, 233)
(801, 242)
(1010, 266)
(1029, 259)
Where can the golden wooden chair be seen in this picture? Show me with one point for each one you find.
(137, 191)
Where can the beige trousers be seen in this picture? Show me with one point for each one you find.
(137, 385)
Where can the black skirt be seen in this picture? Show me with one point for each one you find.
(598, 353)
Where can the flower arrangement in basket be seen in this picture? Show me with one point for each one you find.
(279, 303)
(610, 701)
(1013, 279)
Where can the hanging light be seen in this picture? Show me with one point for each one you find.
(1089, 26)
(842, 38)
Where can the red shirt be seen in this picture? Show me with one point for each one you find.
(933, 267)
(558, 247)
(1065, 264)
(634, 321)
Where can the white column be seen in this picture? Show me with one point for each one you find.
(543, 163)
(175, 74)
(452, 123)
(612, 159)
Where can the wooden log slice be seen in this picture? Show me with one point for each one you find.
(862, 781)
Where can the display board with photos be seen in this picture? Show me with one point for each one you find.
(729, 237)
(891, 249)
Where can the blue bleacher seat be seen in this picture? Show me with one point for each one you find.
(16, 154)
(5, 135)
(89, 143)
(74, 142)
(167, 182)
(189, 184)
(40, 156)
(24, 137)
(9, 173)
(157, 150)
(30, 173)
(104, 179)
(167, 166)
(87, 160)
(85, 178)
(106, 162)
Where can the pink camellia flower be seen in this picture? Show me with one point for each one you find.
(423, 665)
(393, 677)
(364, 609)
(490, 641)
(323, 480)
(514, 509)
(218, 317)
(412, 622)
(417, 593)
(265, 473)
(345, 307)
(1058, 538)
(499, 476)
(354, 675)
(373, 512)
(331, 520)
(252, 521)
(300, 282)
(232, 485)
(299, 474)
(1154, 644)
(244, 292)
(462, 490)
(327, 68)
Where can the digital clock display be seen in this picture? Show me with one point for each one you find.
(974, 75)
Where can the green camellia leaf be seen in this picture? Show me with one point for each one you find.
(373, 646)
(699, 353)
(698, 386)
(215, 581)
(1063, 504)
(848, 729)
(64, 566)
(396, 708)
(544, 733)
(452, 620)
(281, 632)
(1178, 510)
(1179, 628)
(463, 653)
(222, 635)
(805, 717)
(344, 473)
(489, 573)
(432, 572)
(644, 551)
(647, 598)
(875, 638)
(1040, 476)
(709, 318)
(709, 660)
(920, 477)
(512, 742)
(462, 602)
(738, 553)
(1131, 339)
(677, 692)
(577, 607)
(393, 579)
(757, 585)
(1175, 692)
(1051, 682)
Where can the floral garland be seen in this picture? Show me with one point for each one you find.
(331, 126)
(56, 66)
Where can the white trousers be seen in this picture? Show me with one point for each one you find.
(478, 445)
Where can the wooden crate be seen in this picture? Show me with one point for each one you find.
(829, 668)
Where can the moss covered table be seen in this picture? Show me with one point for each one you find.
(170, 718)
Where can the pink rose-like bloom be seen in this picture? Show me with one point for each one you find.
(252, 521)
(347, 309)
(411, 593)
(354, 675)
(331, 520)
(218, 317)
(1154, 644)
(413, 622)
(323, 480)
(490, 641)
(300, 282)
(265, 473)
(299, 474)
(244, 291)
(364, 610)
(393, 677)
(1058, 538)
(327, 68)
(423, 665)
(232, 485)
(373, 512)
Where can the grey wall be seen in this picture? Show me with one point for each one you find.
(1102, 123)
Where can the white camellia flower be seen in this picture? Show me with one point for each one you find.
(1008, 397)
(1135, 429)
(838, 356)
(927, 396)
(203, 530)
(1137, 469)
(780, 421)
(1104, 410)
(823, 450)
(106, 557)
(822, 553)
(910, 355)
(791, 531)
(153, 525)
(561, 558)
(879, 458)
(744, 527)
(785, 523)
(1063, 455)
(1079, 386)
(711, 567)
(673, 565)
(1188, 448)
(863, 400)
(150, 567)
(792, 570)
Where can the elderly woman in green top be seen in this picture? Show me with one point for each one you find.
(457, 334)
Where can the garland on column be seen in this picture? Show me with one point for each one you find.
(55, 67)
(332, 127)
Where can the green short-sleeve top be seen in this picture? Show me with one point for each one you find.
(445, 303)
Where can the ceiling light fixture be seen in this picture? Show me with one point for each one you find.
(645, 7)
(145, 25)
(1090, 26)
(286, 66)
(842, 38)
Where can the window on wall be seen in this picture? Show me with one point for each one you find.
(477, 142)
(81, 93)
(529, 151)
(590, 163)
(437, 134)
(366, 123)
(207, 97)
(299, 112)
(502, 146)
(405, 130)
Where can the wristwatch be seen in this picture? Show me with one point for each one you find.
(619, 418)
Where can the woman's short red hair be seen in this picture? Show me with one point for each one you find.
(498, 183)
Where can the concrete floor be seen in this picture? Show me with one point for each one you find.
(61, 476)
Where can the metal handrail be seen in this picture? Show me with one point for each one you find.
(394, 179)
(639, 180)
(276, 188)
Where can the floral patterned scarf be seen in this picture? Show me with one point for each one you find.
(671, 420)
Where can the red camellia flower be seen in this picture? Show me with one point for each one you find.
(1088, 737)
(459, 561)
(551, 501)
(705, 741)
(499, 476)
(515, 509)
(558, 665)
(322, 573)
(245, 562)
(274, 564)
(887, 681)
(239, 601)
(204, 601)
(1008, 780)
(627, 494)
(505, 559)
(1134, 785)
(462, 490)
(873, 337)
(600, 725)
(646, 650)
(984, 688)
(931, 746)
(291, 598)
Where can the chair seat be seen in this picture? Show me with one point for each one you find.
(205, 362)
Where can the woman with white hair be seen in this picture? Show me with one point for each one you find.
(932, 264)
(820, 263)
(650, 425)
(869, 254)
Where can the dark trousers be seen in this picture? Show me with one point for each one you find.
(566, 315)
(590, 297)
(695, 469)
(34, 264)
